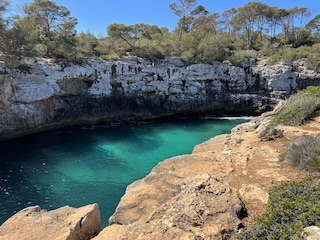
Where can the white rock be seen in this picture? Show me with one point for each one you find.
(311, 233)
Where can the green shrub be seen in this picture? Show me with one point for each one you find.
(296, 110)
(313, 91)
(150, 52)
(304, 153)
(287, 55)
(110, 57)
(292, 207)
(240, 56)
(299, 107)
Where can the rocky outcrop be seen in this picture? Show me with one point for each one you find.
(38, 94)
(67, 223)
(209, 194)
(203, 208)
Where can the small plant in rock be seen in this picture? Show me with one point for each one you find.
(270, 132)
(304, 153)
(292, 207)
(240, 140)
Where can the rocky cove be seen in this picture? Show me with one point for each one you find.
(209, 194)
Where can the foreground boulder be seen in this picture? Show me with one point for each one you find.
(66, 222)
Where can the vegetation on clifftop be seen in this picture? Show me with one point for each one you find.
(45, 29)
(304, 153)
(299, 107)
(296, 110)
(292, 207)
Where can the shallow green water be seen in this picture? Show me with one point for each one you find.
(93, 165)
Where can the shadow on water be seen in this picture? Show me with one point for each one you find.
(80, 166)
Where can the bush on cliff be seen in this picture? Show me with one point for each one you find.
(292, 207)
(299, 107)
(296, 110)
(304, 153)
(288, 55)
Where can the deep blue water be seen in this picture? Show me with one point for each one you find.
(81, 166)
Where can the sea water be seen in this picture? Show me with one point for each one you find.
(93, 164)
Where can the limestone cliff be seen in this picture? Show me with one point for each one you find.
(38, 94)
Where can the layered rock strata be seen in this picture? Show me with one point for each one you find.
(37, 94)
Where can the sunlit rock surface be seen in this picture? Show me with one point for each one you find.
(204, 207)
(66, 222)
(38, 94)
(209, 194)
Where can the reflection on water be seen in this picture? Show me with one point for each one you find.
(94, 164)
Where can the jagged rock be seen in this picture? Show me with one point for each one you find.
(176, 61)
(144, 232)
(205, 206)
(66, 222)
(278, 77)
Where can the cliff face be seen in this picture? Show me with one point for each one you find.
(37, 94)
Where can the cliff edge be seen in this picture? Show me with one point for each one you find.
(210, 194)
(213, 192)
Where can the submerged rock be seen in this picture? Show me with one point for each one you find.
(66, 222)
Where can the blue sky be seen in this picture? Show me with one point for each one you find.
(95, 15)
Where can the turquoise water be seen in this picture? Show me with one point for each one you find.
(88, 165)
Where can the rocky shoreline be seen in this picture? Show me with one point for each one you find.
(210, 194)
